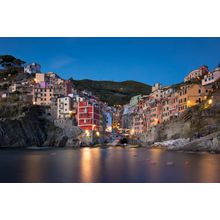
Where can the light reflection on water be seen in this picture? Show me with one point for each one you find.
(107, 165)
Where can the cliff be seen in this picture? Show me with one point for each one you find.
(25, 126)
(197, 129)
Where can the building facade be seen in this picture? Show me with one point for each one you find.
(200, 72)
(42, 94)
(65, 108)
(88, 115)
(211, 77)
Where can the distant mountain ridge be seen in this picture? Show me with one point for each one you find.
(114, 93)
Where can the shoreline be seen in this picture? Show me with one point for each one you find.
(162, 148)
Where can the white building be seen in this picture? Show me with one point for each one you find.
(64, 107)
(203, 70)
(157, 91)
(211, 77)
(76, 97)
(32, 68)
(13, 88)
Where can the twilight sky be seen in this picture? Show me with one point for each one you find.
(149, 60)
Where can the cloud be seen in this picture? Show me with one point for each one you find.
(61, 61)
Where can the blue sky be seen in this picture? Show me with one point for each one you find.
(149, 60)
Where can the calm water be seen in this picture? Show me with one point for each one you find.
(107, 165)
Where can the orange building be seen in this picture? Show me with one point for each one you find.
(191, 95)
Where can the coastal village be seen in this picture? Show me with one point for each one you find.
(99, 122)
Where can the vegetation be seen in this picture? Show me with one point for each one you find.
(10, 67)
(7, 61)
(114, 93)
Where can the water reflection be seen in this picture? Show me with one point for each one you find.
(33, 169)
(107, 165)
(155, 163)
(89, 164)
(208, 169)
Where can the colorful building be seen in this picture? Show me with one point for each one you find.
(117, 117)
(211, 77)
(42, 94)
(32, 68)
(157, 91)
(40, 77)
(198, 73)
(65, 107)
(191, 95)
(88, 115)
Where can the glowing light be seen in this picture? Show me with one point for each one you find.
(210, 101)
(132, 131)
(188, 103)
(87, 133)
(97, 133)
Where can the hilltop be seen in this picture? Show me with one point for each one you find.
(112, 92)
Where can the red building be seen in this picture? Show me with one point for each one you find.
(88, 116)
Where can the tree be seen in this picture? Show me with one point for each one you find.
(7, 61)
(10, 63)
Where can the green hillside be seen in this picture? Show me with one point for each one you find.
(113, 92)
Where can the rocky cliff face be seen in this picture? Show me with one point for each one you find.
(195, 123)
(25, 126)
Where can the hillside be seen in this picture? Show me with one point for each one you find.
(113, 92)
(12, 70)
